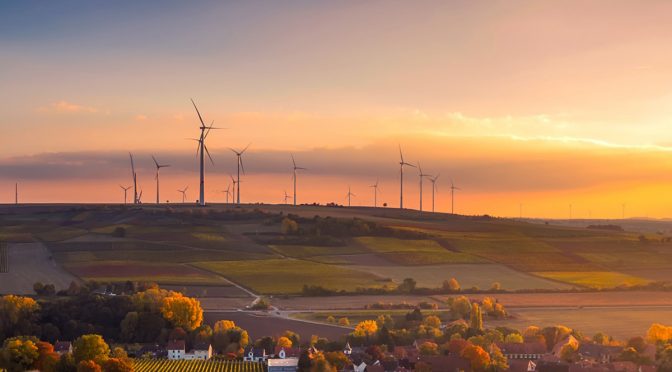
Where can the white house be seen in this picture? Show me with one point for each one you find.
(283, 365)
(176, 350)
(253, 354)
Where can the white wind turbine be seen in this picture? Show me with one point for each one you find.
(433, 181)
(295, 169)
(350, 194)
(136, 199)
(375, 194)
(125, 191)
(202, 149)
(227, 192)
(240, 166)
(452, 196)
(422, 175)
(233, 192)
(401, 178)
(184, 193)
(158, 167)
(287, 197)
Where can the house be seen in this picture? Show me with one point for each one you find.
(347, 350)
(598, 353)
(409, 353)
(287, 352)
(289, 364)
(154, 350)
(63, 347)
(255, 354)
(557, 349)
(176, 350)
(446, 363)
(202, 351)
(552, 366)
(526, 350)
(359, 367)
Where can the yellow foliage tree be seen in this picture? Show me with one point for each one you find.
(284, 342)
(432, 321)
(344, 321)
(531, 331)
(429, 348)
(479, 358)
(224, 325)
(658, 333)
(151, 299)
(19, 353)
(182, 311)
(91, 347)
(513, 338)
(366, 328)
(14, 308)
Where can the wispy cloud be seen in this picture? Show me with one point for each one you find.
(68, 107)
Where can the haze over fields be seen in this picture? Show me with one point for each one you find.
(543, 104)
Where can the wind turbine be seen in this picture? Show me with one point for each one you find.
(233, 196)
(375, 194)
(16, 193)
(135, 181)
(401, 178)
(227, 192)
(184, 193)
(140, 197)
(240, 165)
(433, 181)
(286, 197)
(158, 167)
(202, 149)
(422, 175)
(452, 196)
(295, 169)
(125, 190)
(349, 195)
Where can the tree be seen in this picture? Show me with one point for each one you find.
(498, 361)
(385, 320)
(658, 333)
(88, 366)
(568, 352)
(129, 325)
(16, 315)
(182, 311)
(118, 365)
(460, 307)
(602, 339)
(665, 359)
(90, 347)
(429, 348)
(284, 342)
(366, 328)
(496, 286)
(19, 353)
(151, 299)
(292, 336)
(478, 358)
(289, 226)
(319, 363)
(337, 359)
(344, 321)
(47, 357)
(407, 286)
(331, 319)
(476, 319)
(451, 285)
(531, 331)
(513, 338)
(224, 325)
(432, 321)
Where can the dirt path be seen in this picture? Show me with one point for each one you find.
(29, 263)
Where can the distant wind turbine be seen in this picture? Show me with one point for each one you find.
(240, 166)
(375, 194)
(452, 196)
(184, 193)
(422, 175)
(287, 197)
(401, 178)
(16, 193)
(202, 149)
(158, 167)
(350, 194)
(227, 192)
(295, 169)
(135, 181)
(433, 181)
(235, 183)
(125, 190)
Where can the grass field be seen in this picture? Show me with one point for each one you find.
(278, 276)
(304, 251)
(593, 279)
(168, 273)
(414, 252)
(27, 263)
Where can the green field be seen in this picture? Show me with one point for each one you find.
(414, 252)
(593, 279)
(155, 365)
(278, 276)
(160, 272)
(303, 251)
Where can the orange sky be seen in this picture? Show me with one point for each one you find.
(541, 103)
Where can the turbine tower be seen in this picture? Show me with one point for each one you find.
(422, 175)
(240, 166)
(235, 183)
(401, 178)
(16, 193)
(184, 193)
(375, 194)
(227, 192)
(287, 197)
(158, 167)
(125, 191)
(294, 178)
(433, 181)
(135, 181)
(452, 196)
(202, 149)
(350, 194)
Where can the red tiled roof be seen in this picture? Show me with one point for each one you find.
(176, 345)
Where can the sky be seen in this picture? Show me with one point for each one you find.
(528, 106)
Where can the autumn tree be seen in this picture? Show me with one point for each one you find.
(284, 342)
(476, 319)
(429, 348)
(498, 361)
(227, 337)
(478, 358)
(658, 333)
(432, 321)
(460, 307)
(344, 321)
(337, 359)
(16, 315)
(292, 336)
(19, 353)
(182, 311)
(90, 347)
(289, 226)
(331, 319)
(513, 338)
(365, 328)
(451, 285)
(88, 366)
(47, 357)
(118, 365)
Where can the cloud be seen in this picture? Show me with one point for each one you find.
(68, 107)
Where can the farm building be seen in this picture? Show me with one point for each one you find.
(176, 351)
(255, 354)
(63, 347)
(289, 364)
(287, 352)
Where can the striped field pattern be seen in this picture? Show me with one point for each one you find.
(154, 365)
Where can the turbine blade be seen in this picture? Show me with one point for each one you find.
(155, 162)
(198, 112)
(293, 161)
(240, 159)
(246, 147)
(208, 152)
(401, 155)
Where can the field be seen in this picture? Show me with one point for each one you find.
(594, 279)
(154, 365)
(469, 275)
(115, 271)
(28, 263)
(277, 276)
(414, 252)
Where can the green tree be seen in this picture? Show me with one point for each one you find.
(407, 286)
(19, 353)
(460, 307)
(90, 347)
(514, 338)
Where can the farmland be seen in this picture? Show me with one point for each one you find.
(27, 263)
(155, 365)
